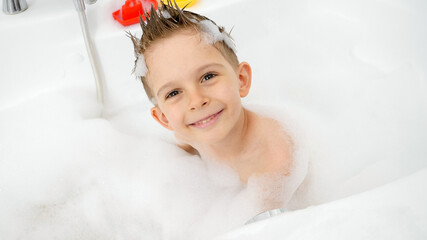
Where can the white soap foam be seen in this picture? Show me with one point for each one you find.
(140, 66)
(82, 175)
(67, 172)
(212, 34)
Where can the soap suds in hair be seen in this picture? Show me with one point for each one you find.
(212, 34)
(140, 66)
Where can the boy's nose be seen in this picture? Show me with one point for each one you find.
(198, 101)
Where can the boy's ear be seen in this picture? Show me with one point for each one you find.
(160, 117)
(245, 78)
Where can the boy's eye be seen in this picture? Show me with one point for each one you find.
(208, 76)
(172, 94)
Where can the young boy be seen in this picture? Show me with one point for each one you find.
(191, 73)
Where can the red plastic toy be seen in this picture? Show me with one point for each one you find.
(130, 11)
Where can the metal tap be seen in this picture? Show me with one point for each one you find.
(14, 6)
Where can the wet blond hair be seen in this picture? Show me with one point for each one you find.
(163, 23)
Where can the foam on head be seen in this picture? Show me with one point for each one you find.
(211, 34)
(140, 66)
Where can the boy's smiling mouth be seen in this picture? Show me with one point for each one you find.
(207, 121)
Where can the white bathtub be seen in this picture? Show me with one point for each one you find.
(357, 67)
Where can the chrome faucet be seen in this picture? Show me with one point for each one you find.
(18, 6)
(80, 7)
(14, 6)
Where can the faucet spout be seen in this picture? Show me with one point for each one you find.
(80, 7)
(14, 6)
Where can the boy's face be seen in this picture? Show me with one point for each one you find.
(197, 90)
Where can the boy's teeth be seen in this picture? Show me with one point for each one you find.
(205, 121)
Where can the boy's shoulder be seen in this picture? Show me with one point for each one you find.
(274, 142)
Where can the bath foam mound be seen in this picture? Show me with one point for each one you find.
(94, 178)
(394, 211)
(97, 177)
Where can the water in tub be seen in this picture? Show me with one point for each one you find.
(349, 85)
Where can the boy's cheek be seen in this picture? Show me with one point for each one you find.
(176, 118)
(228, 92)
